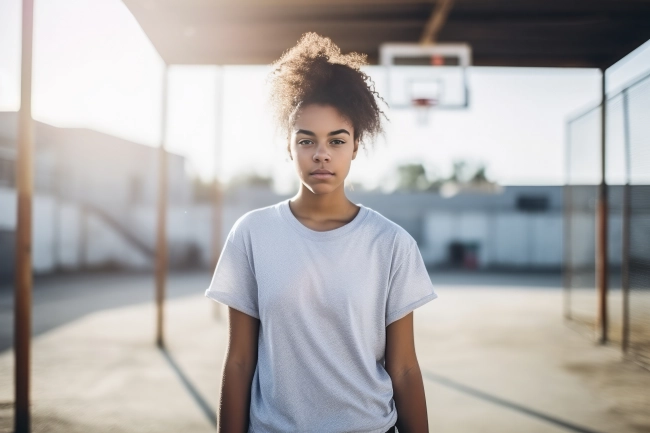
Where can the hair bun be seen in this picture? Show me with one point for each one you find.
(315, 71)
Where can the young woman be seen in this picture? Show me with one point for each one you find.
(321, 291)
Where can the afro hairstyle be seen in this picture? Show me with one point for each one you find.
(315, 72)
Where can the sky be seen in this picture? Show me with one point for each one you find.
(94, 67)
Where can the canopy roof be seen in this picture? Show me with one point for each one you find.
(549, 33)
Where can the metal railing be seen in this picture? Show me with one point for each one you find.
(627, 176)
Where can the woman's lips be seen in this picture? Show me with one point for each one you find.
(322, 175)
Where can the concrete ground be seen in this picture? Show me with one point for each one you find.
(493, 349)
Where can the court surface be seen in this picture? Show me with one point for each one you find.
(493, 350)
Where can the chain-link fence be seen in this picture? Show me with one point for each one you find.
(627, 163)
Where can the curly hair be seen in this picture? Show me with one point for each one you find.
(315, 72)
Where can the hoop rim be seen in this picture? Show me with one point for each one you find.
(424, 102)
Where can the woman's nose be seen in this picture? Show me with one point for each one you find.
(321, 154)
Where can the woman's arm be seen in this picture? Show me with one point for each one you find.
(238, 370)
(404, 371)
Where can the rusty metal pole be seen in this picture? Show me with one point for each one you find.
(601, 228)
(24, 187)
(625, 265)
(161, 225)
(217, 217)
(568, 268)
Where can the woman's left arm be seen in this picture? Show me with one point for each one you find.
(404, 371)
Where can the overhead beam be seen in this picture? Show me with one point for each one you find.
(436, 21)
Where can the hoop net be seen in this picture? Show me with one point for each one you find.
(423, 107)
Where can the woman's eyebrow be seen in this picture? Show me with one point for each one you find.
(310, 133)
(305, 132)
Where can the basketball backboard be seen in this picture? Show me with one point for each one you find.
(426, 75)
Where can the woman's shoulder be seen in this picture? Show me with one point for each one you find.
(253, 220)
(256, 216)
(387, 227)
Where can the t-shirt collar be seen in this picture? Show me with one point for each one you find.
(305, 231)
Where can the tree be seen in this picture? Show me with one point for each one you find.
(479, 176)
(464, 172)
(250, 179)
(203, 191)
(412, 177)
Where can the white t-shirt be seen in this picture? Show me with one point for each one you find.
(324, 299)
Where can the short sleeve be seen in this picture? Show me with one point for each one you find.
(410, 285)
(233, 282)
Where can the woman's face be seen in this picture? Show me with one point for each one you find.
(322, 140)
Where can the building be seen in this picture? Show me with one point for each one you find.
(511, 228)
(95, 196)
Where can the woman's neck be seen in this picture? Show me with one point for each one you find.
(323, 211)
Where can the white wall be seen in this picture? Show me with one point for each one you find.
(43, 231)
(185, 225)
(65, 237)
(505, 238)
(42, 226)
(68, 241)
(512, 239)
(101, 243)
(7, 208)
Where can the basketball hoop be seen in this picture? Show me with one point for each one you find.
(420, 77)
(422, 108)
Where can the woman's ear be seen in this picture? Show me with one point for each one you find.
(356, 148)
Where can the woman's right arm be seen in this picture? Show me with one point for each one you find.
(238, 369)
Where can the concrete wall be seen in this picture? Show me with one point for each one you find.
(67, 237)
(505, 239)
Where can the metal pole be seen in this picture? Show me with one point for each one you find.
(567, 225)
(217, 217)
(625, 265)
(83, 239)
(161, 227)
(601, 230)
(24, 187)
(56, 206)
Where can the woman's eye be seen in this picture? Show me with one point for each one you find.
(338, 141)
(304, 142)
